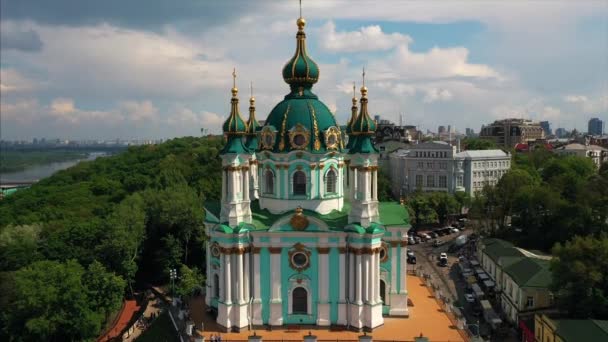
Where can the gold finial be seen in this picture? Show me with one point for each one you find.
(363, 88)
(234, 88)
(251, 99)
(301, 22)
(354, 94)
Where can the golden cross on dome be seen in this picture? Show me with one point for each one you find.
(234, 77)
(354, 91)
(300, 8)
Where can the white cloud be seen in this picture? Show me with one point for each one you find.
(368, 38)
(185, 117)
(576, 98)
(437, 94)
(11, 81)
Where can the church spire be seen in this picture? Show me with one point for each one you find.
(301, 72)
(234, 125)
(252, 122)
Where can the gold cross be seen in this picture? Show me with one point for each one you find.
(234, 78)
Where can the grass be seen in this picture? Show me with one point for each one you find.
(161, 330)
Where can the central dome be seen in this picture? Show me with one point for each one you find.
(301, 113)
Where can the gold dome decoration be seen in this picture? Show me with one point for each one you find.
(301, 22)
(299, 137)
(298, 220)
(332, 138)
(267, 141)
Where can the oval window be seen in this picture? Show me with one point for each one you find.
(299, 259)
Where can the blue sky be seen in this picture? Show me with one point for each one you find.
(160, 68)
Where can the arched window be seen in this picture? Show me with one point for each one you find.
(330, 181)
(216, 285)
(299, 183)
(383, 292)
(269, 182)
(299, 303)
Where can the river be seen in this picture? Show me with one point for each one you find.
(42, 171)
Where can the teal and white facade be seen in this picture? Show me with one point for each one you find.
(299, 236)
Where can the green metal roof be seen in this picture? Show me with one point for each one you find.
(530, 272)
(301, 70)
(574, 330)
(497, 249)
(306, 110)
(236, 144)
(391, 214)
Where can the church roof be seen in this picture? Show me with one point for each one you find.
(391, 214)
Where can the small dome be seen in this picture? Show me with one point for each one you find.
(301, 70)
(234, 125)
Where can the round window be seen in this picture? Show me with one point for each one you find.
(215, 251)
(382, 253)
(299, 139)
(299, 259)
(268, 140)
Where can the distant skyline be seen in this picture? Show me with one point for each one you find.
(161, 69)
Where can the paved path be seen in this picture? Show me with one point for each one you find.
(128, 311)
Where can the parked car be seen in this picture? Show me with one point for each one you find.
(410, 253)
(443, 262)
(411, 260)
(438, 243)
(418, 239)
(411, 241)
(454, 230)
(443, 256)
(433, 235)
(469, 297)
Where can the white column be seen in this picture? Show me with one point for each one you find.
(256, 276)
(223, 277)
(246, 284)
(227, 279)
(351, 276)
(239, 277)
(275, 265)
(246, 185)
(367, 271)
(377, 283)
(393, 251)
(342, 277)
(354, 184)
(375, 182)
(358, 271)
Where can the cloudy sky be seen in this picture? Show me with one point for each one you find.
(162, 68)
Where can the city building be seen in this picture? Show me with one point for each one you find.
(546, 125)
(562, 133)
(441, 129)
(522, 278)
(470, 132)
(299, 236)
(547, 329)
(596, 127)
(437, 166)
(510, 132)
(597, 153)
(475, 169)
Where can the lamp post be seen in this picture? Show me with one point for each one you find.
(173, 276)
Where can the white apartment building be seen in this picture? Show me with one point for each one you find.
(482, 167)
(597, 153)
(437, 166)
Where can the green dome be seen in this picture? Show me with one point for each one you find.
(234, 125)
(363, 124)
(304, 113)
(301, 70)
(253, 126)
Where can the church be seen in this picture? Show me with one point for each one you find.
(299, 236)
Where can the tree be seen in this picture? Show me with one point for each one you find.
(580, 281)
(464, 200)
(19, 246)
(423, 212)
(189, 281)
(444, 205)
(104, 289)
(384, 187)
(50, 303)
(478, 144)
(126, 229)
